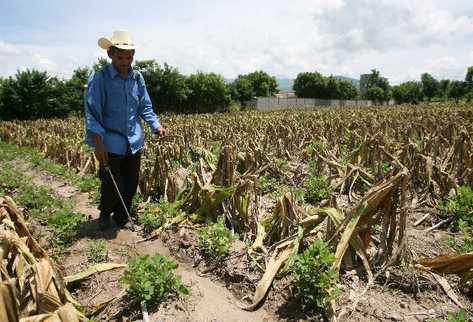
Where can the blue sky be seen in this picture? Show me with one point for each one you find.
(400, 38)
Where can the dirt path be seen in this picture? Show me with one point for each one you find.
(208, 300)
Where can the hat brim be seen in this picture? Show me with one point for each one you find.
(106, 43)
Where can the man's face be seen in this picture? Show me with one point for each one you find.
(122, 60)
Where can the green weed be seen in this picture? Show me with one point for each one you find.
(215, 240)
(314, 278)
(97, 251)
(152, 279)
(317, 188)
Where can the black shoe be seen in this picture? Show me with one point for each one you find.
(104, 222)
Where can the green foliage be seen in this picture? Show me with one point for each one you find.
(316, 145)
(282, 164)
(460, 316)
(268, 184)
(207, 93)
(73, 91)
(39, 201)
(377, 88)
(215, 240)
(408, 92)
(154, 215)
(32, 94)
(314, 278)
(96, 251)
(317, 188)
(456, 90)
(10, 179)
(459, 204)
(64, 226)
(255, 84)
(430, 86)
(315, 85)
(463, 243)
(166, 87)
(152, 279)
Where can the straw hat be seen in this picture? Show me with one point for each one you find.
(120, 39)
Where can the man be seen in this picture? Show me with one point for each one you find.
(116, 99)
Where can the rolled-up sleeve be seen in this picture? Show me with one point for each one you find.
(95, 100)
(146, 107)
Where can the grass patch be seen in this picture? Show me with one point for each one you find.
(64, 225)
(10, 178)
(97, 251)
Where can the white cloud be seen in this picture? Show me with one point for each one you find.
(401, 38)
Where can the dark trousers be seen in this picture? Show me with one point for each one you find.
(125, 170)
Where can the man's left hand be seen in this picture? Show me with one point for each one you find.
(161, 131)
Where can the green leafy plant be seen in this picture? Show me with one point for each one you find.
(152, 279)
(64, 224)
(96, 251)
(215, 240)
(314, 278)
(282, 164)
(317, 188)
(464, 242)
(268, 184)
(154, 215)
(459, 316)
(459, 204)
(10, 178)
(315, 145)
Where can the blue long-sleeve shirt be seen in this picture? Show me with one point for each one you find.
(116, 103)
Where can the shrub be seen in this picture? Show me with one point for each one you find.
(314, 278)
(151, 278)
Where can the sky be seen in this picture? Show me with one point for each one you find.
(400, 38)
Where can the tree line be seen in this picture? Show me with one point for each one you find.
(33, 94)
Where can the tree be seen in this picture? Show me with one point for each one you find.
(263, 84)
(73, 90)
(375, 94)
(310, 85)
(315, 85)
(430, 86)
(32, 94)
(457, 90)
(377, 83)
(469, 77)
(257, 83)
(348, 91)
(207, 93)
(444, 86)
(166, 87)
(408, 92)
(242, 90)
(101, 62)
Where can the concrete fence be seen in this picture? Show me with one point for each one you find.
(275, 103)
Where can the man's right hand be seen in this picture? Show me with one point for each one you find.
(100, 151)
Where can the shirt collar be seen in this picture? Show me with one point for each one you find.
(114, 72)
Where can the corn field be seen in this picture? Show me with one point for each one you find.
(381, 165)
